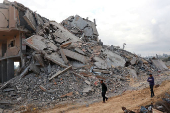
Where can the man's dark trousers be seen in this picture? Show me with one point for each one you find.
(151, 88)
(104, 97)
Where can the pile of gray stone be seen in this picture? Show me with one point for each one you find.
(66, 61)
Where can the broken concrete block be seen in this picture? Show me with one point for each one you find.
(133, 61)
(98, 59)
(39, 43)
(54, 57)
(24, 72)
(63, 56)
(100, 65)
(65, 33)
(79, 51)
(59, 36)
(159, 64)
(132, 72)
(29, 18)
(116, 59)
(60, 72)
(39, 19)
(75, 56)
(34, 68)
(39, 59)
(76, 64)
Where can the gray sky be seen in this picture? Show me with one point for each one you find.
(144, 25)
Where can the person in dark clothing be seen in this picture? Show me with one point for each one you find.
(104, 89)
(151, 83)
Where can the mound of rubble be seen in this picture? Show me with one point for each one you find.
(66, 61)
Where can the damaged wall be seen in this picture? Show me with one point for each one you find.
(13, 45)
(4, 18)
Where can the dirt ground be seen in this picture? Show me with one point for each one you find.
(130, 99)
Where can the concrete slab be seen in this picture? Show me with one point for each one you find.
(39, 43)
(75, 56)
(39, 58)
(132, 72)
(79, 51)
(116, 59)
(160, 64)
(63, 56)
(29, 18)
(100, 65)
(133, 61)
(65, 33)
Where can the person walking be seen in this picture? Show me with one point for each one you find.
(151, 83)
(104, 89)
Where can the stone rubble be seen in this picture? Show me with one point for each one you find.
(66, 61)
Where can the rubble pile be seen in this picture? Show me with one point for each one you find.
(82, 28)
(66, 61)
(26, 19)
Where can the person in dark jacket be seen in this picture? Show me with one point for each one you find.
(104, 89)
(151, 83)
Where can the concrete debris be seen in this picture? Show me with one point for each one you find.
(29, 18)
(39, 58)
(160, 64)
(34, 68)
(63, 56)
(60, 72)
(60, 62)
(132, 72)
(82, 28)
(25, 72)
(75, 56)
(87, 89)
(133, 61)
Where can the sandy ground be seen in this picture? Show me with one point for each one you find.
(130, 99)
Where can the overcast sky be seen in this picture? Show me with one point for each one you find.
(144, 25)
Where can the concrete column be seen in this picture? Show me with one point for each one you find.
(10, 68)
(4, 70)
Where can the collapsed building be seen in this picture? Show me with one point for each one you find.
(17, 23)
(82, 28)
(59, 62)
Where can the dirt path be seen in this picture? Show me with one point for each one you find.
(130, 99)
